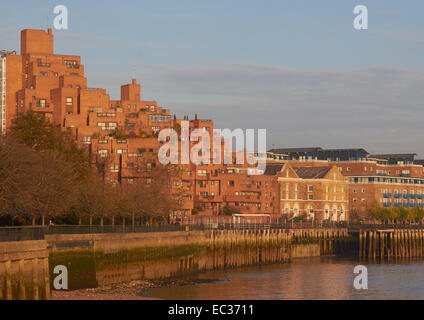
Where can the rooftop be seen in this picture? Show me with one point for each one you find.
(273, 169)
(311, 172)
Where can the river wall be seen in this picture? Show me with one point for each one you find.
(391, 243)
(93, 260)
(24, 270)
(105, 259)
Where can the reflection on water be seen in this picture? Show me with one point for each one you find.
(319, 278)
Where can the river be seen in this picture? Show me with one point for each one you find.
(317, 278)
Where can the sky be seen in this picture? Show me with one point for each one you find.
(296, 68)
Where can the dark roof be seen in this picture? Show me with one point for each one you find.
(273, 169)
(294, 150)
(347, 149)
(312, 172)
(393, 156)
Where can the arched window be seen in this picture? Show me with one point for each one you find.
(326, 213)
(334, 214)
(295, 211)
(311, 212)
(342, 214)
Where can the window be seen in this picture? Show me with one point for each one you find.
(114, 167)
(310, 197)
(112, 126)
(103, 153)
(120, 151)
(69, 101)
(310, 188)
(71, 64)
(86, 140)
(41, 103)
(201, 172)
(129, 126)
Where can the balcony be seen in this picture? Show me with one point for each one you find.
(387, 204)
(398, 195)
(387, 195)
(46, 65)
(241, 198)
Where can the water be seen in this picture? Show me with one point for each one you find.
(318, 278)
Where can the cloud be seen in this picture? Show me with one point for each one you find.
(406, 37)
(379, 107)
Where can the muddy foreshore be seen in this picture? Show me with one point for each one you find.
(134, 290)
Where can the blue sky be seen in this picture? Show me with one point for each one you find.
(297, 68)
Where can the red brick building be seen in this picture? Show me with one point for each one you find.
(122, 136)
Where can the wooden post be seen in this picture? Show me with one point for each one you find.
(8, 280)
(35, 279)
(21, 280)
(381, 244)
(370, 243)
(46, 278)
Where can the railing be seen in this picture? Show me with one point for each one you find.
(38, 232)
(386, 226)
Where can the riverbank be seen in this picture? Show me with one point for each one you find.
(134, 290)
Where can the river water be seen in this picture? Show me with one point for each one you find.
(317, 278)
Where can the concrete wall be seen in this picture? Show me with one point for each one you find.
(113, 258)
(113, 242)
(24, 270)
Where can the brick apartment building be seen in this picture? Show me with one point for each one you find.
(317, 192)
(122, 136)
(390, 180)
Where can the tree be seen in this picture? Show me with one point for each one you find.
(57, 186)
(17, 184)
(40, 135)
